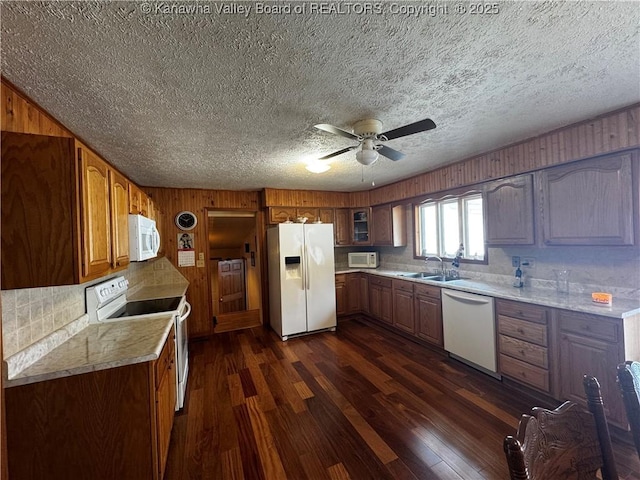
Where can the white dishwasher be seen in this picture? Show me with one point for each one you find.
(469, 329)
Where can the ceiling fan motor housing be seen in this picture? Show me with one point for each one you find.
(368, 128)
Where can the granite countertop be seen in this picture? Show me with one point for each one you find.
(99, 346)
(620, 308)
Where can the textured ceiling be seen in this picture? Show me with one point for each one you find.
(223, 100)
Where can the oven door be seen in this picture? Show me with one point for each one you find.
(182, 353)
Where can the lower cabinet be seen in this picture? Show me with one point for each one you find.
(353, 293)
(593, 345)
(428, 314)
(523, 344)
(380, 299)
(341, 294)
(107, 424)
(403, 317)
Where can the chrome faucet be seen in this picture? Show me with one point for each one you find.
(435, 257)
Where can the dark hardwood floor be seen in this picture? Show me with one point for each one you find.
(360, 403)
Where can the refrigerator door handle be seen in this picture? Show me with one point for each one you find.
(306, 268)
(303, 266)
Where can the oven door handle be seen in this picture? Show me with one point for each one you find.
(187, 312)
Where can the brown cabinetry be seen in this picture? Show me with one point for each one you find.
(348, 293)
(381, 299)
(593, 345)
(353, 293)
(138, 201)
(523, 344)
(61, 200)
(428, 314)
(107, 424)
(341, 294)
(342, 230)
(360, 225)
(389, 226)
(508, 210)
(589, 202)
(403, 317)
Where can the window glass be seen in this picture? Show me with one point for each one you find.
(445, 224)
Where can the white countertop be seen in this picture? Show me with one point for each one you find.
(149, 292)
(100, 346)
(620, 308)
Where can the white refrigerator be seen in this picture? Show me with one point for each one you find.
(302, 295)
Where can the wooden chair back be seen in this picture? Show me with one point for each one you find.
(629, 383)
(566, 443)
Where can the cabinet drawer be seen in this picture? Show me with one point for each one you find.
(341, 278)
(530, 332)
(524, 372)
(427, 290)
(383, 282)
(165, 358)
(592, 326)
(523, 311)
(525, 351)
(403, 285)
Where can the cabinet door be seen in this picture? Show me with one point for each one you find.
(96, 215)
(341, 295)
(342, 229)
(375, 301)
(509, 211)
(428, 313)
(382, 229)
(119, 219)
(588, 203)
(386, 305)
(165, 404)
(583, 355)
(364, 293)
(353, 293)
(326, 215)
(403, 317)
(282, 214)
(312, 214)
(135, 200)
(360, 224)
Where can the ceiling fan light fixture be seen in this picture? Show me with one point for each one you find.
(316, 166)
(367, 157)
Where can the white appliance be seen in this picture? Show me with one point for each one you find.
(107, 302)
(302, 295)
(363, 259)
(469, 329)
(144, 239)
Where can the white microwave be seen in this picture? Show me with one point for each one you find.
(144, 239)
(363, 260)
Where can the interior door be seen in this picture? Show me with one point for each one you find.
(232, 287)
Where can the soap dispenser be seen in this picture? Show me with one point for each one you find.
(518, 280)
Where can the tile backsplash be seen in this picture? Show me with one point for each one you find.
(30, 314)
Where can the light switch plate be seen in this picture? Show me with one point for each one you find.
(515, 261)
(201, 255)
(200, 263)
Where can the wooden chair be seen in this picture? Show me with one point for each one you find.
(629, 383)
(566, 443)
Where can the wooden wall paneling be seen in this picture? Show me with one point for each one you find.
(20, 115)
(633, 127)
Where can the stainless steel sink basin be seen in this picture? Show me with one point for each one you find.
(428, 276)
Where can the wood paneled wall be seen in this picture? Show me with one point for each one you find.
(273, 197)
(21, 115)
(171, 201)
(608, 133)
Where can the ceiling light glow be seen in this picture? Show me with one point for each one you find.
(317, 166)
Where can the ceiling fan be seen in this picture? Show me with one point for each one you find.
(368, 134)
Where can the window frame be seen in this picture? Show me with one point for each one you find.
(461, 198)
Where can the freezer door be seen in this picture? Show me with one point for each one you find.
(292, 288)
(319, 276)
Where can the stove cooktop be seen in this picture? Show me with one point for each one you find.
(146, 307)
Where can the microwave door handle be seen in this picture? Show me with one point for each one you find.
(156, 241)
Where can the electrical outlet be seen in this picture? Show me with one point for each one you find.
(515, 261)
(529, 262)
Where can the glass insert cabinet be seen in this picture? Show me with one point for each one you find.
(361, 226)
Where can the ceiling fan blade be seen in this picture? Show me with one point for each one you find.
(390, 153)
(421, 126)
(335, 130)
(339, 152)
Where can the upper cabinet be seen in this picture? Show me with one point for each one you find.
(63, 213)
(508, 210)
(360, 224)
(389, 226)
(588, 203)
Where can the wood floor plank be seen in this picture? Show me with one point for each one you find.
(360, 403)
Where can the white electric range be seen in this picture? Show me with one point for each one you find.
(107, 302)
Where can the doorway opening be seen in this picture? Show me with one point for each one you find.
(234, 269)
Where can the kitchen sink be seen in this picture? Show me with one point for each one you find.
(428, 276)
